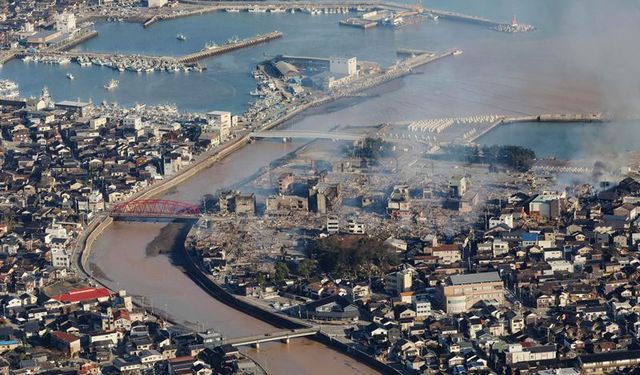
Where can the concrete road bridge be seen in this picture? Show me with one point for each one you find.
(309, 134)
(282, 336)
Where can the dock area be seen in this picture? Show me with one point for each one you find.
(396, 71)
(7, 56)
(413, 52)
(76, 40)
(208, 52)
(455, 16)
(135, 62)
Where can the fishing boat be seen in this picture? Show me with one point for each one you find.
(181, 37)
(210, 45)
(70, 76)
(111, 85)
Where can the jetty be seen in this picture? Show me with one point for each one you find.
(135, 61)
(455, 16)
(213, 51)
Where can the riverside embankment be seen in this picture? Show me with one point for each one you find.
(217, 291)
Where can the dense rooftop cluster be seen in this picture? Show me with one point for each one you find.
(64, 164)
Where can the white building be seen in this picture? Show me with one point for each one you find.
(516, 353)
(60, 258)
(355, 227)
(156, 3)
(333, 224)
(398, 282)
(422, 308)
(343, 65)
(547, 204)
(500, 247)
(132, 122)
(97, 123)
(65, 22)
(220, 122)
(506, 219)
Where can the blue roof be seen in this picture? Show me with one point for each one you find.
(8, 342)
(529, 236)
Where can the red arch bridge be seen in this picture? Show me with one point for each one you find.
(155, 209)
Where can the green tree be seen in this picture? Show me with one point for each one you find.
(306, 267)
(281, 271)
(260, 279)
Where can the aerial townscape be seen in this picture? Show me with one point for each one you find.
(319, 187)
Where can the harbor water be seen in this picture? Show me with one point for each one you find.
(545, 71)
(227, 82)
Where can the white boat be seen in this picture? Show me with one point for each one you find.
(210, 45)
(111, 84)
(232, 10)
(181, 37)
(27, 58)
(8, 89)
(277, 10)
(257, 10)
(70, 76)
(457, 52)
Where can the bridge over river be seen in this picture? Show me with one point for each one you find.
(282, 336)
(308, 134)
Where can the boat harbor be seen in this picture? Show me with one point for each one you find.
(146, 63)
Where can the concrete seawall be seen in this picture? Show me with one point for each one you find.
(76, 41)
(93, 231)
(544, 118)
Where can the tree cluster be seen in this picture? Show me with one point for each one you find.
(371, 148)
(352, 256)
(517, 157)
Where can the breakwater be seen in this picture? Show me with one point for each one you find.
(209, 52)
(543, 118)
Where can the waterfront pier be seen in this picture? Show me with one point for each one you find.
(455, 16)
(121, 61)
(75, 40)
(208, 52)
